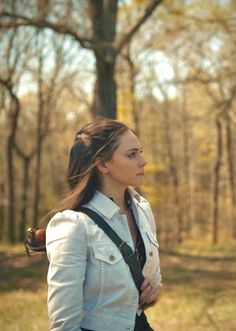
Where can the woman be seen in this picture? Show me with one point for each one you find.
(90, 287)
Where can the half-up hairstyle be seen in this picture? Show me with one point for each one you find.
(95, 141)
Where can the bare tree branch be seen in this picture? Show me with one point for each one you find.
(40, 23)
(126, 38)
(199, 19)
(8, 85)
(199, 77)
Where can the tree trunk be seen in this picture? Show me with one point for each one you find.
(216, 182)
(230, 161)
(13, 122)
(24, 199)
(104, 17)
(39, 142)
(26, 159)
(105, 89)
(132, 76)
(187, 194)
(173, 173)
(2, 210)
(11, 192)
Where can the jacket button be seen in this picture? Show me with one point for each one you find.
(151, 253)
(111, 257)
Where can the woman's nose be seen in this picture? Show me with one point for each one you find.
(142, 161)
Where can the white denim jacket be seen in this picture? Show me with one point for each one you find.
(89, 284)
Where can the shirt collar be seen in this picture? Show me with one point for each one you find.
(134, 194)
(105, 206)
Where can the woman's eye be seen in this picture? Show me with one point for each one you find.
(132, 155)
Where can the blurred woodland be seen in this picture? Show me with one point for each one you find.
(167, 68)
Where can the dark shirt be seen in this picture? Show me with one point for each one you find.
(140, 249)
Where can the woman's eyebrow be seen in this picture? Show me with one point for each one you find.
(133, 149)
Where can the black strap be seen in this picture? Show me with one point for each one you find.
(129, 255)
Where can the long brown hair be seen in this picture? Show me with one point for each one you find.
(98, 139)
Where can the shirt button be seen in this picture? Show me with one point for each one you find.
(111, 257)
(151, 253)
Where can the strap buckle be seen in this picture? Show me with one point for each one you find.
(121, 245)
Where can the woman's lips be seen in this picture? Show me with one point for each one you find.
(141, 174)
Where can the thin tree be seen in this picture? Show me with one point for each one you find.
(26, 160)
(13, 123)
(173, 168)
(216, 179)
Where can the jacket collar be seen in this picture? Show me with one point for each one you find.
(106, 206)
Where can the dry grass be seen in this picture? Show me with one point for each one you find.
(22, 291)
(198, 294)
(199, 290)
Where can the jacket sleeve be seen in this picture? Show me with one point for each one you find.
(152, 226)
(66, 249)
(158, 276)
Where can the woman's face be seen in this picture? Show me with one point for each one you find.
(126, 167)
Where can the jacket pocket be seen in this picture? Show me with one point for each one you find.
(152, 238)
(107, 254)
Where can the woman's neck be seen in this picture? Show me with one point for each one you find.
(117, 195)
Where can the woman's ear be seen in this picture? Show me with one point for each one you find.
(101, 166)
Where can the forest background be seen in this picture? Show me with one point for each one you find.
(167, 68)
